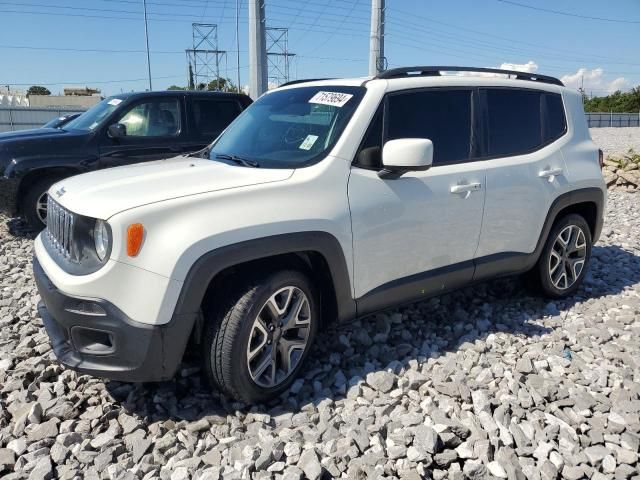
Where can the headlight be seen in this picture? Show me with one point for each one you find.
(101, 239)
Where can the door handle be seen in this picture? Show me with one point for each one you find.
(466, 188)
(550, 173)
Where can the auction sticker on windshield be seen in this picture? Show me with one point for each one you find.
(335, 99)
(114, 101)
(308, 142)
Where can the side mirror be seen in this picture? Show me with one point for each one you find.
(405, 155)
(117, 130)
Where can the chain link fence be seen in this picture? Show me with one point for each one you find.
(610, 119)
(21, 118)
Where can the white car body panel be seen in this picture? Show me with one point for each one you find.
(412, 224)
(103, 193)
(143, 296)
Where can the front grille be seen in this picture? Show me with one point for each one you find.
(60, 223)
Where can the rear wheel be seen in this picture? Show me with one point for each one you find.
(565, 257)
(33, 205)
(255, 345)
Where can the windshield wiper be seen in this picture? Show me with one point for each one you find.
(239, 160)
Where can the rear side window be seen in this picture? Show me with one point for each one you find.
(442, 116)
(212, 116)
(554, 123)
(514, 121)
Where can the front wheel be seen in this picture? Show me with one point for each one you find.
(255, 345)
(565, 257)
(33, 205)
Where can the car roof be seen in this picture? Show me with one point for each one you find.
(173, 93)
(424, 76)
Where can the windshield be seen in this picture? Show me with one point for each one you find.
(92, 118)
(289, 128)
(55, 123)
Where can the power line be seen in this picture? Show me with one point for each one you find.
(180, 52)
(476, 44)
(457, 28)
(568, 14)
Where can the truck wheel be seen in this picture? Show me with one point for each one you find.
(255, 345)
(565, 257)
(33, 205)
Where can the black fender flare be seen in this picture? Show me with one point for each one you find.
(212, 263)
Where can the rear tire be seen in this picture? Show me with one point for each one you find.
(565, 257)
(33, 204)
(255, 344)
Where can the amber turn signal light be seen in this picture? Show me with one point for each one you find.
(135, 234)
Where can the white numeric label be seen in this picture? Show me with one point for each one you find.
(335, 99)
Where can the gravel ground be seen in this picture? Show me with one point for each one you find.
(616, 141)
(487, 382)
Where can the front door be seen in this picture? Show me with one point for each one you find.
(153, 132)
(417, 235)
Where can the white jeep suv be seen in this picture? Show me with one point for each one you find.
(324, 201)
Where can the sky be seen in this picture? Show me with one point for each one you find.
(101, 43)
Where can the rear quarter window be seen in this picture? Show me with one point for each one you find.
(554, 120)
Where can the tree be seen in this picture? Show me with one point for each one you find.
(176, 87)
(38, 90)
(222, 84)
(617, 102)
(191, 84)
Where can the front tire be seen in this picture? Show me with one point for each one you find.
(255, 345)
(565, 257)
(33, 205)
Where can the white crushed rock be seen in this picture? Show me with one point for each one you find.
(616, 141)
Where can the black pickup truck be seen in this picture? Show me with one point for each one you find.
(120, 130)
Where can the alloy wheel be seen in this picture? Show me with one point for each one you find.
(41, 207)
(567, 257)
(279, 337)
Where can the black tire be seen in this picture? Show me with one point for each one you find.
(548, 267)
(228, 330)
(30, 199)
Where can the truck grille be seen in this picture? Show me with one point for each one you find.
(60, 223)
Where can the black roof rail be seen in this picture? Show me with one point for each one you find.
(303, 80)
(431, 71)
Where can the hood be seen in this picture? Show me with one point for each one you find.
(32, 133)
(104, 193)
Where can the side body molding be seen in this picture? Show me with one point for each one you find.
(209, 265)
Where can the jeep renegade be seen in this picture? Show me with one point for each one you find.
(323, 201)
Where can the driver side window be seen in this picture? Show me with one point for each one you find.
(153, 118)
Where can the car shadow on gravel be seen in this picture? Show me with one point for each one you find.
(343, 355)
(19, 228)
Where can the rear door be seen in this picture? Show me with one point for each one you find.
(154, 131)
(208, 117)
(524, 165)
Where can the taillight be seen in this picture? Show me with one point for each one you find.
(601, 158)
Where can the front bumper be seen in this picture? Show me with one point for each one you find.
(93, 336)
(9, 195)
